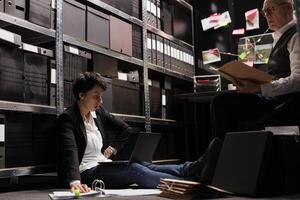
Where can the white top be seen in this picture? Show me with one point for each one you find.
(291, 83)
(92, 154)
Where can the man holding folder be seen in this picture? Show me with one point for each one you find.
(255, 99)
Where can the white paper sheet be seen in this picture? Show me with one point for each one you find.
(132, 192)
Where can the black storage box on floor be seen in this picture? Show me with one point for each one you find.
(16, 8)
(74, 19)
(256, 163)
(40, 12)
(11, 74)
(97, 27)
(105, 65)
(286, 149)
(122, 97)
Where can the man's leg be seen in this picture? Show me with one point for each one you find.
(228, 110)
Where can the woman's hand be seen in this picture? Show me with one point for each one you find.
(247, 86)
(108, 152)
(83, 188)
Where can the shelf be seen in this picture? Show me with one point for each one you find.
(28, 170)
(169, 37)
(158, 121)
(185, 4)
(116, 12)
(25, 107)
(141, 119)
(169, 72)
(18, 22)
(92, 47)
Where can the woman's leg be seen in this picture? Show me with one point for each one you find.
(120, 176)
(148, 175)
(179, 170)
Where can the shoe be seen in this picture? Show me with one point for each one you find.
(212, 154)
(196, 167)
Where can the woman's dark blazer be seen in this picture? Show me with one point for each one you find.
(71, 139)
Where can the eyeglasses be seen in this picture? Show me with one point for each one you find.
(268, 12)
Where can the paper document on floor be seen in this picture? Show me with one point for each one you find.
(132, 192)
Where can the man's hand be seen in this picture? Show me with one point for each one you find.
(83, 188)
(108, 152)
(247, 86)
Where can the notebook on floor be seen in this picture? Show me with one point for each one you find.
(143, 150)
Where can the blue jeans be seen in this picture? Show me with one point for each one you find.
(146, 175)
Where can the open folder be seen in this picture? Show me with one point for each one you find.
(238, 70)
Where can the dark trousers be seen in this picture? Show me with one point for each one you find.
(235, 111)
(146, 175)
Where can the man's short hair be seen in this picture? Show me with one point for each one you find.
(87, 81)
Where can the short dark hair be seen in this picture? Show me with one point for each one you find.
(87, 81)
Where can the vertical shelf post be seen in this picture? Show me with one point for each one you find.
(145, 63)
(59, 58)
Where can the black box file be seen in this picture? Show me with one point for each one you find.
(120, 36)
(155, 99)
(105, 65)
(75, 62)
(74, 19)
(36, 74)
(11, 74)
(97, 27)
(40, 12)
(1, 5)
(18, 139)
(122, 97)
(16, 8)
(137, 51)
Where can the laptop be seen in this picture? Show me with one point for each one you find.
(143, 150)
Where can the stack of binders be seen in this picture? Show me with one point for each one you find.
(182, 189)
